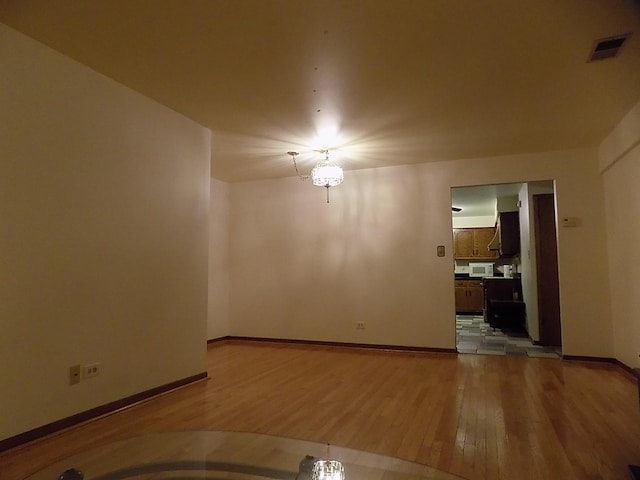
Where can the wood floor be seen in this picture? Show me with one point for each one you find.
(477, 416)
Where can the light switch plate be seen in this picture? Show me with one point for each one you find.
(570, 222)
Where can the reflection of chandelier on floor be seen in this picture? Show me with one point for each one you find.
(325, 174)
(327, 470)
(314, 468)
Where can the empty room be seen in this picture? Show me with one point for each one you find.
(325, 239)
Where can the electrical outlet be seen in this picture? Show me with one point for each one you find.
(74, 374)
(90, 370)
(360, 325)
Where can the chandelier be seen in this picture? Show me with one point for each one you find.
(314, 468)
(325, 174)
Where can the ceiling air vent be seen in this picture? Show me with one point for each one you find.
(607, 47)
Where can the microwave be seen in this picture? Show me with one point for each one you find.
(480, 269)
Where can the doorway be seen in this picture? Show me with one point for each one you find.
(529, 322)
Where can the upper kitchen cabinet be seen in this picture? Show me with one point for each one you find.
(473, 243)
(506, 241)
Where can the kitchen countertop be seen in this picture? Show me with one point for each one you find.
(465, 276)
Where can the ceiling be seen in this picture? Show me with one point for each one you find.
(480, 201)
(379, 82)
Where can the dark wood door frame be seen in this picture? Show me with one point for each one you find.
(547, 270)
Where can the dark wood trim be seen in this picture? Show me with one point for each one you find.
(581, 358)
(546, 261)
(364, 346)
(634, 372)
(400, 348)
(95, 413)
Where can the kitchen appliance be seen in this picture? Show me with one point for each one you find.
(480, 269)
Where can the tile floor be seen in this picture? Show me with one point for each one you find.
(473, 335)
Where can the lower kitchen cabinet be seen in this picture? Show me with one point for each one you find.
(469, 296)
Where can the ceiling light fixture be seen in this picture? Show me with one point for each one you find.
(325, 174)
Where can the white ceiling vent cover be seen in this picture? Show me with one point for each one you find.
(607, 47)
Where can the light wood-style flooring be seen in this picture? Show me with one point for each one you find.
(480, 417)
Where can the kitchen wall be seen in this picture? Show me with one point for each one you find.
(104, 200)
(620, 164)
(507, 203)
(474, 222)
(503, 203)
(300, 268)
(528, 269)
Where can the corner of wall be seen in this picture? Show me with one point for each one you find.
(219, 294)
(622, 139)
(620, 169)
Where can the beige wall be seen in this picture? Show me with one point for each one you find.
(218, 324)
(620, 160)
(302, 269)
(104, 201)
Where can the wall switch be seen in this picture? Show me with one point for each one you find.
(570, 222)
(440, 250)
(90, 370)
(360, 325)
(74, 374)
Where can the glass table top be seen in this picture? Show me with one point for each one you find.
(227, 456)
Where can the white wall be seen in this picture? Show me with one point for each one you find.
(528, 269)
(303, 269)
(218, 324)
(507, 204)
(104, 201)
(620, 162)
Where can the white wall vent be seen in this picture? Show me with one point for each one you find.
(607, 47)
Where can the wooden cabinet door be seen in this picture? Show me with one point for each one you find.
(461, 299)
(463, 243)
(469, 296)
(509, 233)
(472, 243)
(483, 237)
(475, 297)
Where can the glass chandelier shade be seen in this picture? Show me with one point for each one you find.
(327, 174)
